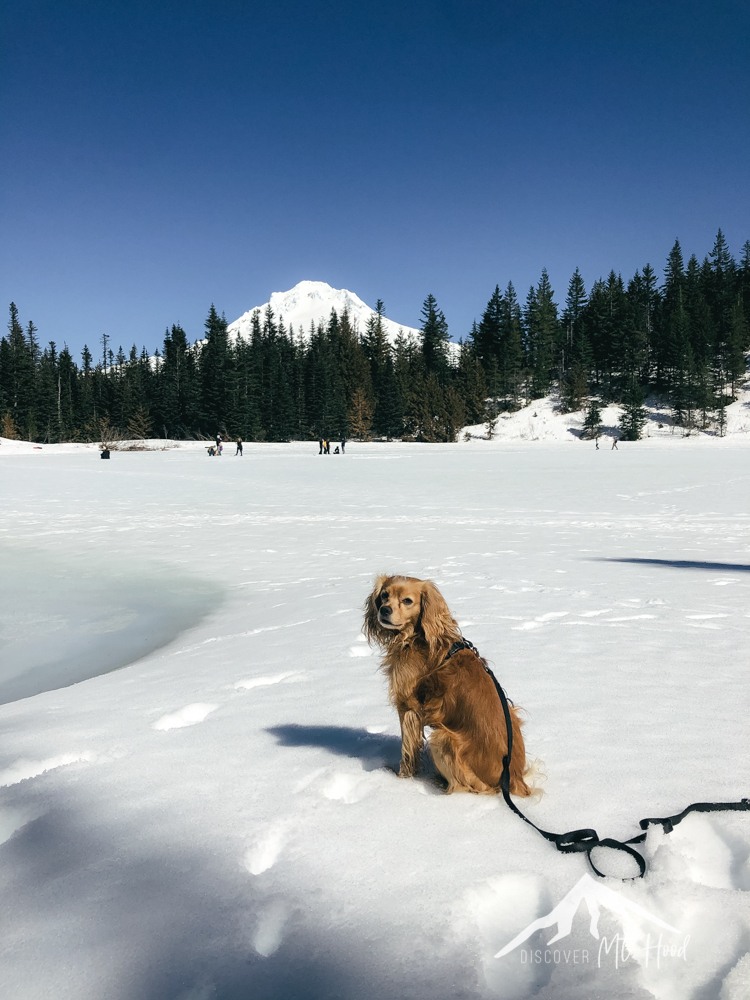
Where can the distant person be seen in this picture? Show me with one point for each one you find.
(327, 446)
(597, 442)
(320, 446)
(239, 447)
(343, 446)
(218, 441)
(614, 445)
(336, 450)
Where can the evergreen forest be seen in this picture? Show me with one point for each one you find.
(683, 339)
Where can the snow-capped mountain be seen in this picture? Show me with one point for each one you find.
(312, 302)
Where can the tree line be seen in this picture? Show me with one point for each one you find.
(684, 340)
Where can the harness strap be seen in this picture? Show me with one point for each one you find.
(584, 841)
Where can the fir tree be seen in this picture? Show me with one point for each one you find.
(634, 415)
(574, 345)
(542, 330)
(486, 338)
(434, 340)
(215, 374)
(592, 421)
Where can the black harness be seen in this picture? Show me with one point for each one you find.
(587, 839)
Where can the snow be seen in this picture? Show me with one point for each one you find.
(210, 812)
(312, 302)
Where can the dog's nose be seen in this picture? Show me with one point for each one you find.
(385, 610)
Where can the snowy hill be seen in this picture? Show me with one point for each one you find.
(543, 420)
(311, 302)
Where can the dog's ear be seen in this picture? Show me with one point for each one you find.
(435, 619)
(371, 626)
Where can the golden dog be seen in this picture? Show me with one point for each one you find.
(409, 619)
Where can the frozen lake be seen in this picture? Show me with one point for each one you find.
(208, 811)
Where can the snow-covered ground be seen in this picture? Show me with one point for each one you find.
(211, 814)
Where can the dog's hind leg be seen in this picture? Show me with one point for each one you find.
(456, 772)
(442, 758)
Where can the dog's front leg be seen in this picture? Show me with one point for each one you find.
(412, 738)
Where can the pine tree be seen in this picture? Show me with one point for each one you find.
(574, 346)
(542, 331)
(360, 416)
(215, 374)
(592, 421)
(18, 376)
(643, 296)
(68, 396)
(47, 403)
(139, 426)
(471, 384)
(486, 338)
(700, 321)
(434, 340)
(634, 415)
(575, 353)
(511, 358)
(8, 428)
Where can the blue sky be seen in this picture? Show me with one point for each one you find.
(158, 157)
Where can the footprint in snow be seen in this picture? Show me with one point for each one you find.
(707, 851)
(342, 787)
(265, 852)
(255, 682)
(360, 651)
(494, 913)
(269, 930)
(362, 647)
(190, 715)
(540, 621)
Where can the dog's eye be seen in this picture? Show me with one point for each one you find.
(407, 600)
(384, 596)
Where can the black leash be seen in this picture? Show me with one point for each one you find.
(587, 839)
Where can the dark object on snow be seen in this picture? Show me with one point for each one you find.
(105, 453)
(586, 840)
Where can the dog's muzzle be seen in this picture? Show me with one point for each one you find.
(384, 617)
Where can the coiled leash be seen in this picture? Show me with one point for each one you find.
(584, 841)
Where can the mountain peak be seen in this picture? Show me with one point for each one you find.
(312, 302)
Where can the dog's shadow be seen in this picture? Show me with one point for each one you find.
(377, 751)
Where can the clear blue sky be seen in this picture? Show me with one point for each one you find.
(158, 157)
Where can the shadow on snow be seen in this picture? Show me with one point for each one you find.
(374, 749)
(715, 567)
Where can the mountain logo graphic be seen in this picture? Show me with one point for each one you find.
(597, 897)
